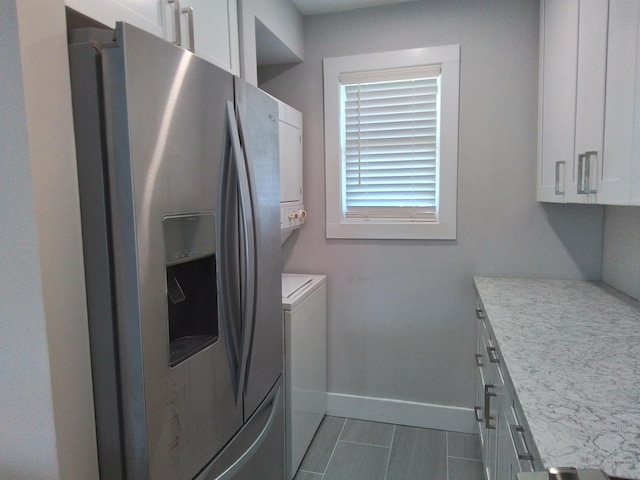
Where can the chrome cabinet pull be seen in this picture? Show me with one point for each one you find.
(479, 360)
(515, 430)
(584, 172)
(189, 12)
(176, 21)
(560, 178)
(591, 159)
(581, 158)
(493, 356)
(480, 314)
(477, 410)
(487, 406)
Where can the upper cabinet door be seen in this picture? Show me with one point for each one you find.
(573, 44)
(619, 171)
(144, 14)
(558, 76)
(590, 100)
(209, 28)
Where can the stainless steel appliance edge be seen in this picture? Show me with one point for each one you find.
(183, 275)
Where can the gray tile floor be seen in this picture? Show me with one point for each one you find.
(347, 449)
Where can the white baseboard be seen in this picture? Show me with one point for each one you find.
(440, 417)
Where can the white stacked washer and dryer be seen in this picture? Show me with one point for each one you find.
(304, 312)
(304, 308)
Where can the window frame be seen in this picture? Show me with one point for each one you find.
(447, 57)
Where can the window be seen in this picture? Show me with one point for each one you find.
(391, 144)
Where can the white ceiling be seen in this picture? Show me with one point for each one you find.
(312, 7)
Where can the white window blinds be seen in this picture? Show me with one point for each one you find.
(390, 139)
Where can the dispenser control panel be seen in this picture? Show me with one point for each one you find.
(188, 236)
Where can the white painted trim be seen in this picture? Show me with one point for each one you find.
(414, 414)
(447, 57)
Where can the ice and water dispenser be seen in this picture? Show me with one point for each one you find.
(190, 256)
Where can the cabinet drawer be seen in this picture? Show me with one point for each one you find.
(506, 442)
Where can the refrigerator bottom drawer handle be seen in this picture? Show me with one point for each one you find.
(231, 460)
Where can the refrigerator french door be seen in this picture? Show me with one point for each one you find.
(178, 174)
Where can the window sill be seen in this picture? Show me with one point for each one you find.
(392, 231)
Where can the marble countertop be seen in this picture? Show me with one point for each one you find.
(572, 350)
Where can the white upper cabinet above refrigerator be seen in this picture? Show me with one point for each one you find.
(209, 28)
(144, 14)
(589, 102)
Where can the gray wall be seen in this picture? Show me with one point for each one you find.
(621, 256)
(22, 324)
(281, 17)
(47, 429)
(401, 313)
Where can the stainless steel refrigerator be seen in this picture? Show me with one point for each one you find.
(179, 188)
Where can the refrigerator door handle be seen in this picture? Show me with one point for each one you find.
(228, 274)
(249, 250)
(252, 263)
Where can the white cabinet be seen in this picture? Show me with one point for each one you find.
(581, 185)
(513, 454)
(503, 438)
(144, 14)
(573, 59)
(209, 28)
(558, 74)
(588, 119)
(620, 171)
(489, 384)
